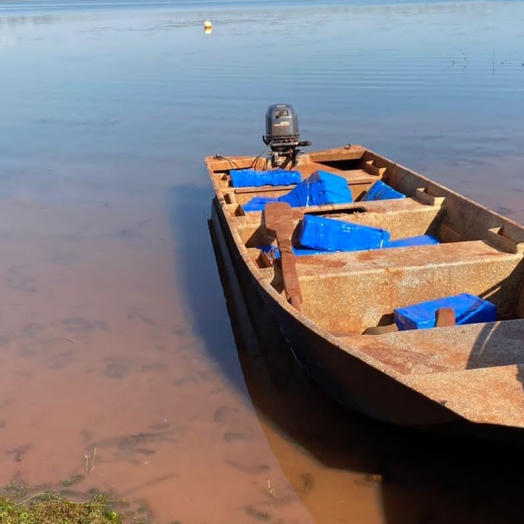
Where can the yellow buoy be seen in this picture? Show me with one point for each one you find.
(208, 24)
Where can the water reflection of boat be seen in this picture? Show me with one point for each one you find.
(325, 304)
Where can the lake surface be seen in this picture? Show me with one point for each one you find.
(118, 360)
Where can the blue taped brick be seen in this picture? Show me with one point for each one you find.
(422, 240)
(336, 235)
(272, 177)
(319, 189)
(297, 251)
(257, 203)
(469, 309)
(301, 251)
(381, 191)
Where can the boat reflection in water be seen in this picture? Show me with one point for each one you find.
(348, 468)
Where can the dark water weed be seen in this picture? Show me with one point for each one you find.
(73, 480)
(50, 508)
(47, 508)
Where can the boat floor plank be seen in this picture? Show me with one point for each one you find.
(485, 395)
(430, 351)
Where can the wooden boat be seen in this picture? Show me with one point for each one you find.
(325, 305)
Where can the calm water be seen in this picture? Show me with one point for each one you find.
(115, 340)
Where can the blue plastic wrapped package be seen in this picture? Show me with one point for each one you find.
(304, 251)
(297, 251)
(469, 309)
(381, 191)
(422, 240)
(319, 189)
(272, 177)
(336, 235)
(257, 203)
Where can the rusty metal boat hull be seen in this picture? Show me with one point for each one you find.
(462, 374)
(346, 379)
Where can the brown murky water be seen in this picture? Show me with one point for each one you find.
(118, 362)
(103, 376)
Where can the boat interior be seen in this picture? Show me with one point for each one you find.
(478, 251)
(353, 294)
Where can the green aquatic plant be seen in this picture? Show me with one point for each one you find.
(50, 508)
(47, 508)
(60, 504)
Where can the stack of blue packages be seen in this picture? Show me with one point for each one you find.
(319, 189)
(422, 240)
(273, 177)
(381, 191)
(337, 235)
(469, 309)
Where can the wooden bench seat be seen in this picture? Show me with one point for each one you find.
(427, 258)
(348, 292)
(402, 218)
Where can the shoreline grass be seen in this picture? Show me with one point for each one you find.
(43, 505)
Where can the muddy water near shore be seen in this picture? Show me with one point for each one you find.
(105, 375)
(118, 361)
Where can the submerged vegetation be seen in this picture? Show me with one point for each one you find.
(48, 508)
(17, 506)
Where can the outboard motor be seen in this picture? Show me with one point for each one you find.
(282, 135)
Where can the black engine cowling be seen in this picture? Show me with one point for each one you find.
(281, 126)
